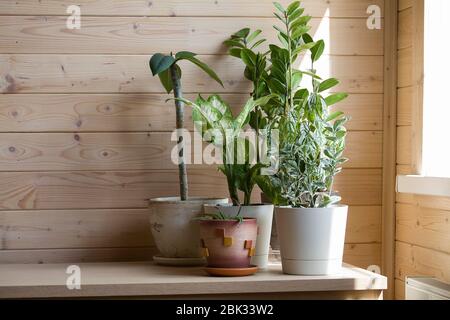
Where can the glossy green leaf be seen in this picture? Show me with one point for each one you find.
(327, 84)
(159, 63)
(335, 98)
(317, 50)
(205, 68)
(184, 54)
(334, 115)
(293, 6)
(253, 35)
(166, 80)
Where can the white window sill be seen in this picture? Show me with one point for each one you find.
(433, 186)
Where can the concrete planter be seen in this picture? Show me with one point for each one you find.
(173, 230)
(311, 239)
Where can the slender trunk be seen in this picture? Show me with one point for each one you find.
(180, 125)
(247, 198)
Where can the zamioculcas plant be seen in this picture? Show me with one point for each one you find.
(166, 67)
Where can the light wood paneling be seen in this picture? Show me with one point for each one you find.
(254, 8)
(405, 4)
(425, 227)
(405, 71)
(39, 229)
(138, 112)
(399, 289)
(203, 35)
(82, 142)
(363, 224)
(389, 146)
(78, 190)
(431, 202)
(404, 145)
(134, 151)
(131, 189)
(414, 260)
(404, 106)
(405, 29)
(74, 255)
(36, 73)
(363, 255)
(115, 228)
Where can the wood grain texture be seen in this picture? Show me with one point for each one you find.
(405, 4)
(147, 279)
(132, 189)
(203, 35)
(404, 106)
(399, 289)
(117, 228)
(404, 145)
(423, 201)
(429, 228)
(94, 84)
(56, 229)
(414, 260)
(405, 29)
(135, 151)
(76, 255)
(254, 8)
(389, 145)
(405, 70)
(363, 255)
(34, 73)
(139, 112)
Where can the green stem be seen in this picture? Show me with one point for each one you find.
(289, 82)
(179, 106)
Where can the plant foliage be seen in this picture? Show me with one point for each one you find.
(312, 138)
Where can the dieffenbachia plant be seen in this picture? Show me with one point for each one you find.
(217, 125)
(166, 67)
(312, 139)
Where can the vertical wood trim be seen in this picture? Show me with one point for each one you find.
(418, 78)
(389, 144)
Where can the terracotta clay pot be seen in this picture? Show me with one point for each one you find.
(228, 243)
(263, 213)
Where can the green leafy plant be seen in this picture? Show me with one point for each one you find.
(169, 73)
(312, 139)
(217, 125)
(219, 215)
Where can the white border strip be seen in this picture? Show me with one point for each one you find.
(433, 186)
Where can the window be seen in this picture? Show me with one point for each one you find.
(431, 129)
(436, 95)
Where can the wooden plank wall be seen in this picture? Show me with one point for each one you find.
(85, 130)
(423, 227)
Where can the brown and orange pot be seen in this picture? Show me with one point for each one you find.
(228, 243)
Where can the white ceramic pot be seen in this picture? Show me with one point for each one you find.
(173, 230)
(263, 214)
(311, 239)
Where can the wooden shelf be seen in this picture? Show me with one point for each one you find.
(145, 279)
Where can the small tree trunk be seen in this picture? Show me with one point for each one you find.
(180, 125)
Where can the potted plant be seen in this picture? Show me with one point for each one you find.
(175, 235)
(228, 243)
(310, 222)
(215, 121)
